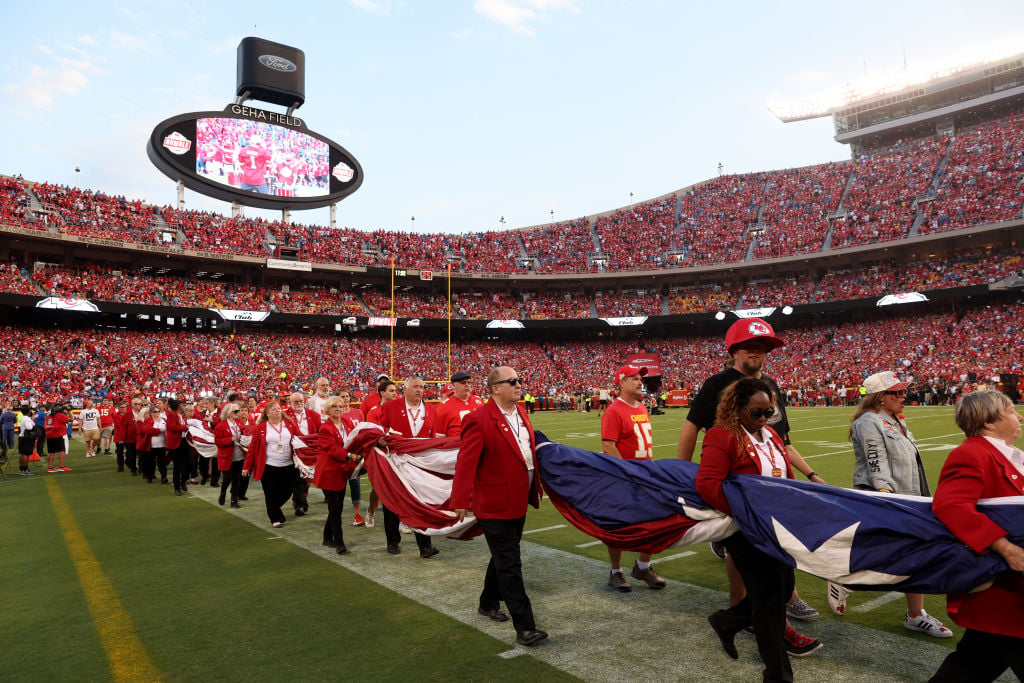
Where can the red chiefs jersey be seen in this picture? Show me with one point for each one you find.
(107, 415)
(448, 419)
(630, 429)
(253, 162)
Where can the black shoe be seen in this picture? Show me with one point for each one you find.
(299, 512)
(214, 484)
(164, 480)
(493, 614)
(234, 504)
(106, 452)
(242, 498)
(120, 469)
(135, 473)
(429, 551)
(393, 549)
(220, 499)
(184, 488)
(530, 638)
(149, 480)
(724, 636)
(177, 492)
(203, 482)
(342, 550)
(329, 543)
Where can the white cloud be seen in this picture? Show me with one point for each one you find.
(464, 33)
(520, 15)
(128, 42)
(43, 84)
(372, 6)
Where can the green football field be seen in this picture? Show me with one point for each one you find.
(107, 577)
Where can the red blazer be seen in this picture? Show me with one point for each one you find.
(175, 428)
(256, 453)
(120, 426)
(332, 465)
(313, 420)
(720, 456)
(975, 469)
(144, 433)
(222, 438)
(490, 474)
(394, 416)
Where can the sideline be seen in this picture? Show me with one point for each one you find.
(126, 655)
(596, 634)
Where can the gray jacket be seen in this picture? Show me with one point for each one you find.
(885, 458)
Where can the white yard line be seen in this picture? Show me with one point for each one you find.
(547, 528)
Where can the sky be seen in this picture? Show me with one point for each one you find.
(463, 112)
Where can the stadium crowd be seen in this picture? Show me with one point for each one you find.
(948, 182)
(970, 345)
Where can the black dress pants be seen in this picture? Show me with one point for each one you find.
(981, 656)
(332, 526)
(769, 585)
(182, 460)
(231, 477)
(504, 578)
(119, 454)
(131, 456)
(277, 489)
(147, 464)
(394, 536)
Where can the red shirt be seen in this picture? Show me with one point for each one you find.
(448, 418)
(253, 162)
(630, 429)
(107, 415)
(56, 425)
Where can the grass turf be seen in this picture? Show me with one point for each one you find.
(214, 597)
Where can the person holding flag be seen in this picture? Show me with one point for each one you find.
(498, 445)
(887, 460)
(985, 465)
(741, 442)
(626, 434)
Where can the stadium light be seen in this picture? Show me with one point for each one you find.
(837, 98)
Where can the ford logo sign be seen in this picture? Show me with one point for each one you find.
(277, 63)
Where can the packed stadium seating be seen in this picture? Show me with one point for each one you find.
(940, 182)
(971, 345)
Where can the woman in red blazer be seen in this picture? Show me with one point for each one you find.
(177, 448)
(144, 433)
(269, 457)
(334, 465)
(985, 465)
(227, 436)
(742, 443)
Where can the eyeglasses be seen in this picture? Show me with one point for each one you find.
(234, 412)
(896, 393)
(512, 382)
(758, 413)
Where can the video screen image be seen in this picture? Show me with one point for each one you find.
(253, 156)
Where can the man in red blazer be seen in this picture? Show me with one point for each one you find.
(307, 421)
(496, 478)
(411, 417)
(985, 465)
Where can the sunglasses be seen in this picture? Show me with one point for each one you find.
(513, 382)
(758, 413)
(896, 393)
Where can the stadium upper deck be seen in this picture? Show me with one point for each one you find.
(894, 193)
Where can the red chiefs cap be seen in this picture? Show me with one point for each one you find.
(448, 390)
(628, 371)
(751, 328)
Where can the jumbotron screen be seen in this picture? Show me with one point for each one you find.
(253, 156)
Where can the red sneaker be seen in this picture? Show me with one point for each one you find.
(799, 645)
(64, 469)
(357, 520)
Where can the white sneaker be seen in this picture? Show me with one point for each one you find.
(404, 528)
(837, 597)
(369, 520)
(926, 623)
